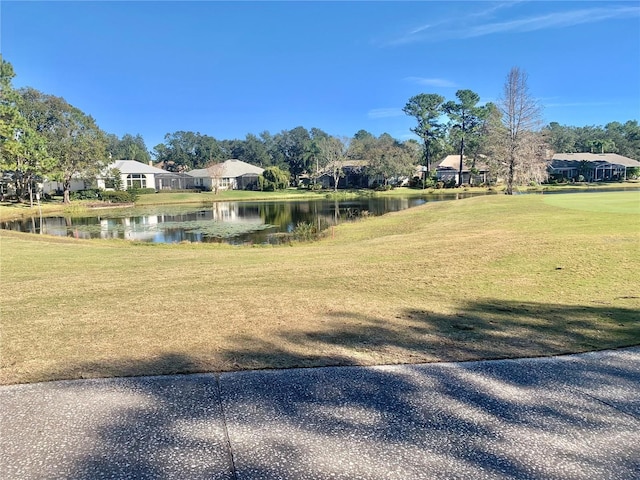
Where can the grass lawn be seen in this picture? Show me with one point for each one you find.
(612, 202)
(486, 277)
(224, 195)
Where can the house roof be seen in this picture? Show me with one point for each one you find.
(132, 166)
(452, 162)
(230, 169)
(572, 159)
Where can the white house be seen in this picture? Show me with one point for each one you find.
(132, 173)
(229, 175)
(52, 186)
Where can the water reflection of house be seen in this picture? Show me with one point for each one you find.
(235, 212)
(57, 226)
(140, 228)
(592, 167)
(223, 212)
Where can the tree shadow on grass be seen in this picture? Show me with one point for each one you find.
(480, 330)
(551, 418)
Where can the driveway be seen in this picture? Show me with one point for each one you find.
(570, 417)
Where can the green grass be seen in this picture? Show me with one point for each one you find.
(223, 195)
(486, 277)
(611, 202)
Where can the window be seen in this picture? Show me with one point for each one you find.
(136, 180)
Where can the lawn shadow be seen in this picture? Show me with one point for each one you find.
(491, 329)
(511, 419)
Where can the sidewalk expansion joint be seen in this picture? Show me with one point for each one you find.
(603, 402)
(234, 474)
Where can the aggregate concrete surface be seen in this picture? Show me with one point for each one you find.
(570, 417)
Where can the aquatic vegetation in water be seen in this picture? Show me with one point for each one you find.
(206, 228)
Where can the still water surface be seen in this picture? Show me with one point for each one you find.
(220, 222)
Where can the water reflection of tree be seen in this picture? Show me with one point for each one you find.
(276, 214)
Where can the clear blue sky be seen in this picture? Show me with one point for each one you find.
(228, 69)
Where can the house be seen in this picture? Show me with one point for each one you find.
(135, 174)
(229, 175)
(53, 186)
(592, 167)
(353, 175)
(356, 174)
(448, 170)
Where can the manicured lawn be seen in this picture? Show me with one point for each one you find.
(613, 202)
(223, 195)
(486, 277)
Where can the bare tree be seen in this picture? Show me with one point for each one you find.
(517, 145)
(333, 155)
(215, 171)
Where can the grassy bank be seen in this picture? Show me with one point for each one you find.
(486, 277)
(224, 196)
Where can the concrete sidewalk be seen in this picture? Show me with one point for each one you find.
(572, 417)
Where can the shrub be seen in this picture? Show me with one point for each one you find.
(305, 232)
(89, 194)
(273, 179)
(118, 196)
(415, 182)
(141, 191)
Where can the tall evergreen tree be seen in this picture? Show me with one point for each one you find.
(466, 118)
(427, 108)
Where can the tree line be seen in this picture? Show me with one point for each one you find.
(614, 137)
(42, 135)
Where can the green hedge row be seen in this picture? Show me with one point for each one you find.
(112, 196)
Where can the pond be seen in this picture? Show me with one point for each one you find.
(235, 223)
